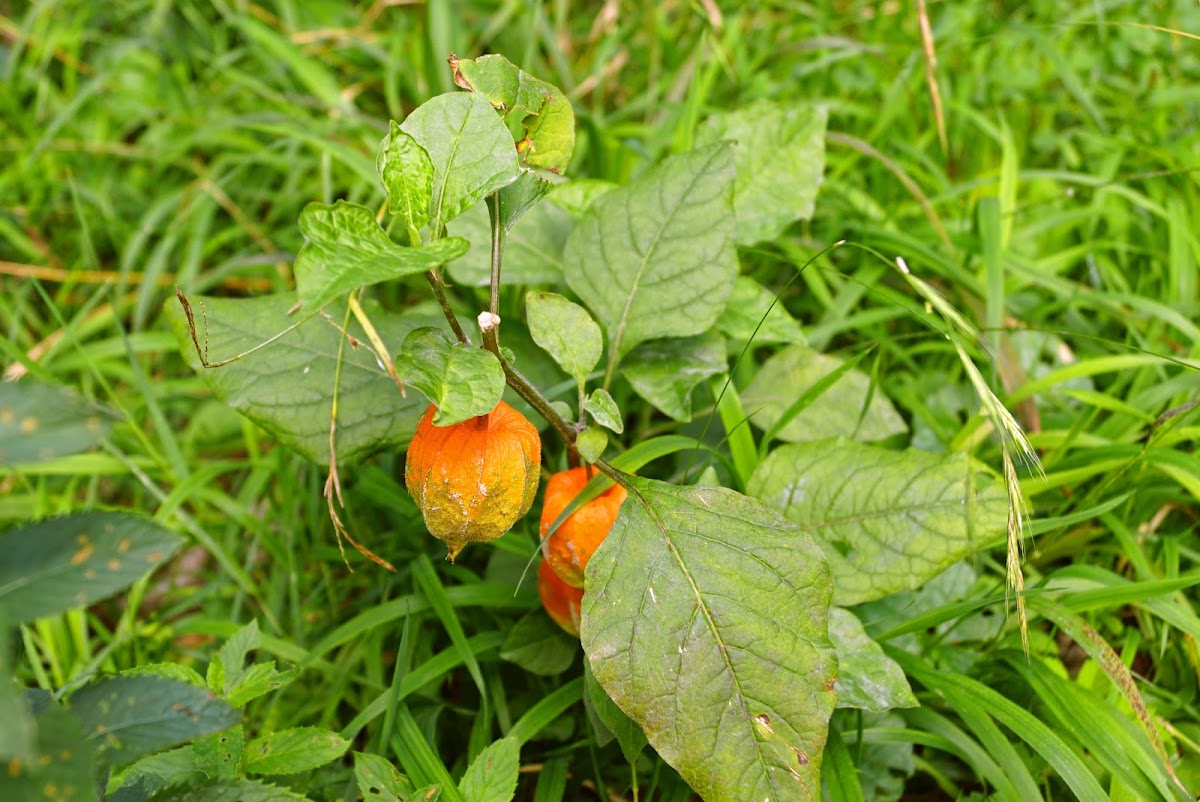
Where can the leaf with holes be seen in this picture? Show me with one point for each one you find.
(378, 780)
(656, 258)
(886, 520)
(59, 563)
(295, 750)
(705, 620)
(236, 790)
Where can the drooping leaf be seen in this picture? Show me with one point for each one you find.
(64, 761)
(550, 124)
(41, 421)
(407, 175)
(539, 645)
(705, 620)
(655, 258)
(218, 754)
(520, 196)
(779, 150)
(127, 717)
(235, 790)
(664, 372)
(835, 413)
(287, 387)
(492, 775)
(752, 312)
(293, 750)
(378, 780)
(75, 560)
(629, 735)
(464, 381)
(345, 248)
(604, 410)
(471, 151)
(566, 331)
(887, 520)
(532, 252)
(867, 678)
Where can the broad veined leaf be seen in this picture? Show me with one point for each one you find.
(539, 645)
(887, 520)
(656, 258)
(218, 754)
(838, 412)
(867, 678)
(127, 717)
(295, 750)
(664, 372)
(629, 735)
(566, 331)
(464, 381)
(706, 621)
(550, 124)
(407, 175)
(345, 248)
(42, 421)
(287, 387)
(753, 315)
(492, 775)
(779, 150)
(533, 252)
(574, 197)
(75, 560)
(471, 150)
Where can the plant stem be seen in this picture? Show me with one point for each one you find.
(435, 281)
(499, 236)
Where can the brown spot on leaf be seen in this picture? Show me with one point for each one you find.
(114, 565)
(29, 425)
(123, 546)
(93, 423)
(14, 767)
(6, 415)
(82, 555)
(154, 556)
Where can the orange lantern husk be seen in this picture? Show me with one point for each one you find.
(569, 548)
(561, 601)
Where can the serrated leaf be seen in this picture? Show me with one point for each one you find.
(236, 790)
(127, 717)
(629, 735)
(492, 775)
(664, 372)
(532, 252)
(705, 621)
(378, 780)
(604, 410)
(173, 671)
(42, 421)
(471, 151)
(407, 175)
(550, 126)
(753, 315)
(566, 331)
(539, 646)
(867, 678)
(155, 773)
(75, 560)
(64, 761)
(834, 413)
(591, 443)
(294, 750)
(656, 258)
(464, 381)
(259, 680)
(287, 386)
(232, 654)
(886, 520)
(779, 150)
(217, 755)
(344, 248)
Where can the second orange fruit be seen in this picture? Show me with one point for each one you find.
(568, 550)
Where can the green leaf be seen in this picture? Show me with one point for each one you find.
(259, 680)
(287, 386)
(127, 717)
(591, 443)
(464, 381)
(18, 736)
(75, 560)
(551, 132)
(294, 750)
(779, 150)
(430, 793)
(345, 248)
(566, 331)
(705, 621)
(64, 761)
(237, 790)
(664, 372)
(232, 655)
(574, 197)
(887, 520)
(155, 773)
(604, 410)
(218, 755)
(492, 775)
(533, 252)
(471, 150)
(629, 735)
(520, 196)
(407, 175)
(42, 421)
(838, 412)
(175, 671)
(539, 645)
(656, 258)
(378, 780)
(753, 315)
(867, 678)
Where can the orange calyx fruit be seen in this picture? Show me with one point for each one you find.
(561, 601)
(473, 480)
(569, 548)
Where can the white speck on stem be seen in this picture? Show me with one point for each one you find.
(903, 265)
(487, 321)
